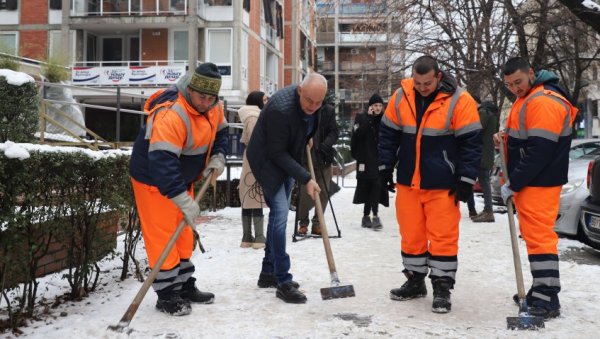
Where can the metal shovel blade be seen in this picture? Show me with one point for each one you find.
(525, 321)
(336, 292)
(121, 327)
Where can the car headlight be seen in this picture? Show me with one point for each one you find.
(571, 186)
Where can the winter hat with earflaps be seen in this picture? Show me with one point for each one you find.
(206, 79)
(375, 99)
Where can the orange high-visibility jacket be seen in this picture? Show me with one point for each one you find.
(538, 133)
(446, 147)
(174, 146)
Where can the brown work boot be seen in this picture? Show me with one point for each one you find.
(485, 216)
(303, 229)
(316, 229)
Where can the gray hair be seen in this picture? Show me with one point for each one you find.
(311, 77)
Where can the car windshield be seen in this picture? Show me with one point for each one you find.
(584, 149)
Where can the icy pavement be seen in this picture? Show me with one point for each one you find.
(369, 260)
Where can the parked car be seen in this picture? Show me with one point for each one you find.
(573, 195)
(589, 231)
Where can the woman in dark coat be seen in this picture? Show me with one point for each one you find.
(369, 189)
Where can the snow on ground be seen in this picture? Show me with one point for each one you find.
(367, 259)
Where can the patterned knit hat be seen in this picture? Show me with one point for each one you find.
(206, 79)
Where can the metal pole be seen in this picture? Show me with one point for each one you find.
(118, 136)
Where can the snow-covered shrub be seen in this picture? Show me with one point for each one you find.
(52, 195)
(18, 106)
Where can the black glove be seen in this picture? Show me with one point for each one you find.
(462, 191)
(387, 180)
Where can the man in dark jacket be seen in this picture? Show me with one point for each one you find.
(322, 157)
(488, 116)
(275, 152)
(363, 145)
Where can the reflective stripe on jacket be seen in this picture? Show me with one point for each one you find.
(538, 132)
(173, 148)
(447, 146)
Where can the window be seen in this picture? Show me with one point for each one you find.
(219, 46)
(55, 4)
(10, 5)
(8, 43)
(218, 2)
(180, 45)
(246, 5)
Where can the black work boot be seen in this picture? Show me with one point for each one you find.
(193, 294)
(269, 280)
(413, 288)
(290, 294)
(171, 303)
(441, 295)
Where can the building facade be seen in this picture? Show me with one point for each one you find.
(357, 51)
(142, 46)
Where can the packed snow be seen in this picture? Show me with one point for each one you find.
(369, 260)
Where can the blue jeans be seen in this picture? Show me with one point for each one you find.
(276, 260)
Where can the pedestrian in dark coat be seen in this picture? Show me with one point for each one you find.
(489, 115)
(370, 190)
(322, 157)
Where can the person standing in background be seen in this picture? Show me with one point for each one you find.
(251, 196)
(322, 157)
(370, 190)
(489, 115)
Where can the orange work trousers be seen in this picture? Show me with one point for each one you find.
(160, 217)
(537, 208)
(428, 221)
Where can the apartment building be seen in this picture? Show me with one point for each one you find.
(141, 46)
(357, 51)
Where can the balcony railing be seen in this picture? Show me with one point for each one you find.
(128, 73)
(363, 37)
(128, 7)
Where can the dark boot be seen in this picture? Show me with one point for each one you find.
(441, 296)
(247, 238)
(269, 280)
(413, 288)
(485, 216)
(171, 303)
(366, 222)
(290, 294)
(259, 235)
(193, 294)
(376, 223)
(539, 307)
(316, 229)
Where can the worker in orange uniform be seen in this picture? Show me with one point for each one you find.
(538, 138)
(431, 130)
(184, 139)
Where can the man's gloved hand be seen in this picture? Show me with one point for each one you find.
(188, 207)
(506, 193)
(462, 191)
(217, 163)
(387, 180)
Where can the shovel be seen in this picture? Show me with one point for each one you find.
(135, 304)
(335, 291)
(524, 321)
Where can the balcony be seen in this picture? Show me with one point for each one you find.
(363, 38)
(83, 8)
(325, 37)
